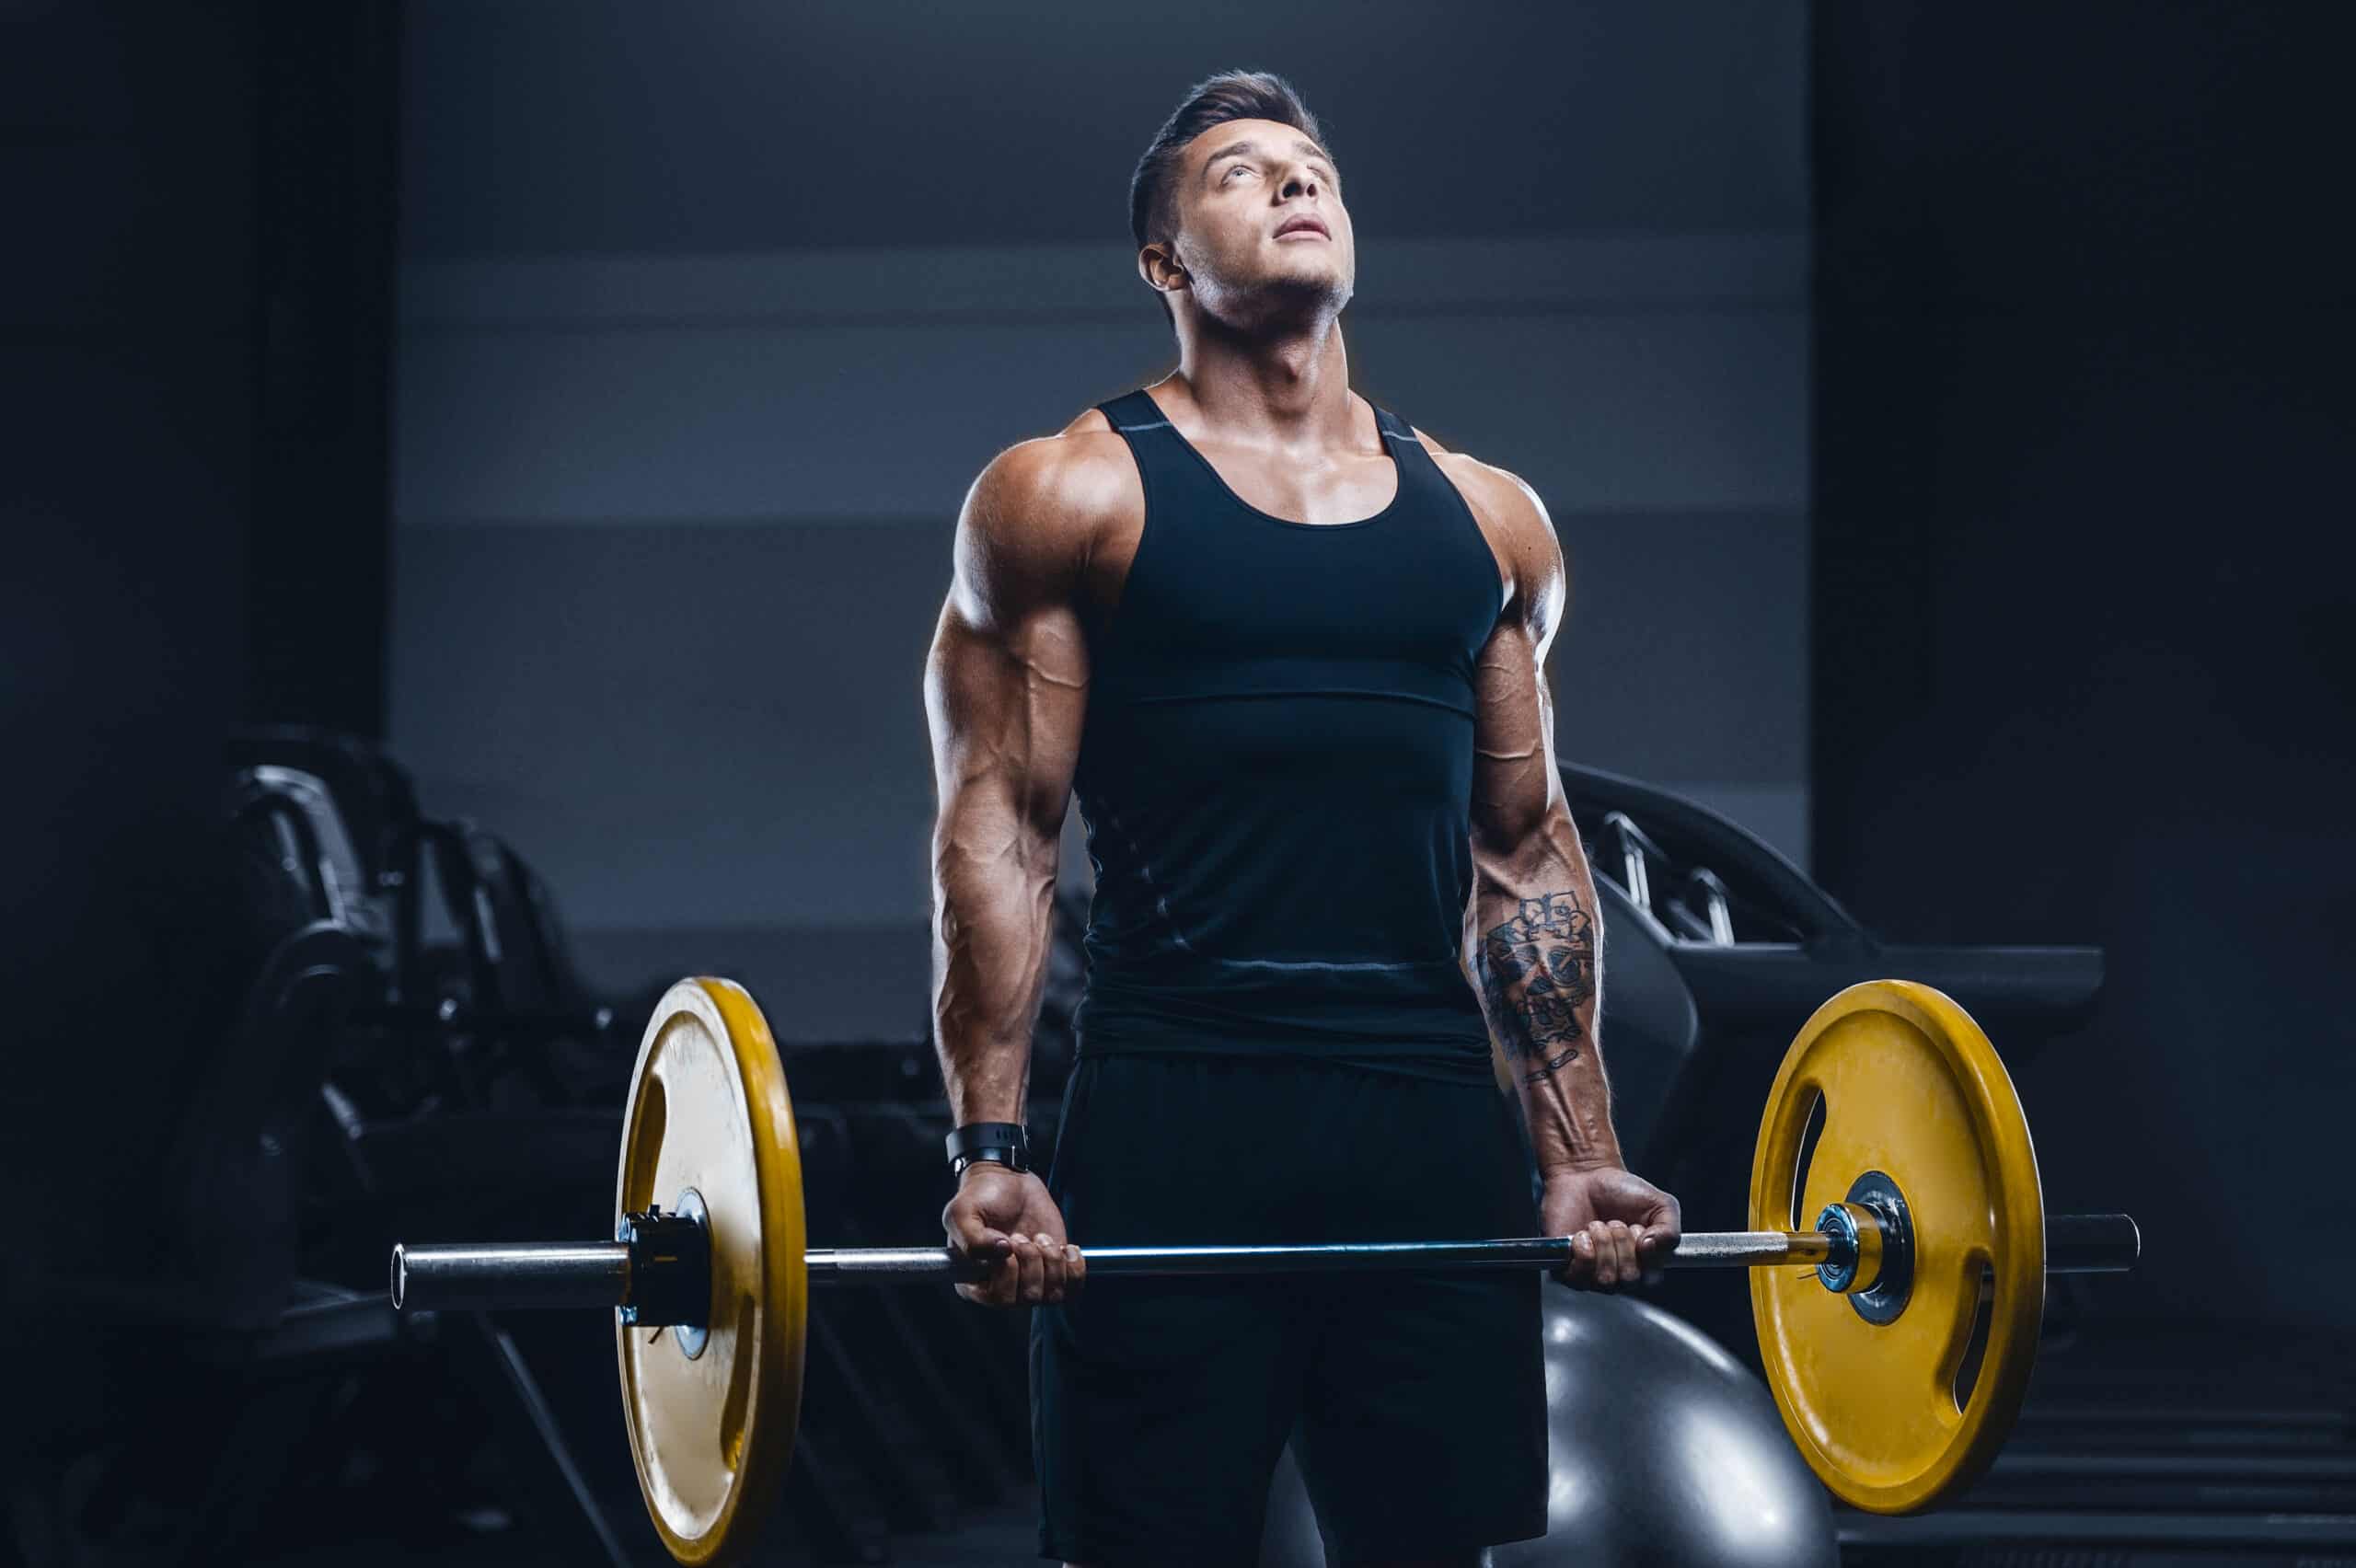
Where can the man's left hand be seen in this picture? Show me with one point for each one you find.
(1620, 1225)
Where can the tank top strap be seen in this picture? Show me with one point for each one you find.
(1133, 411)
(1417, 471)
(1170, 468)
(1393, 425)
(1406, 450)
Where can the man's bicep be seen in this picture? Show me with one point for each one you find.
(1517, 792)
(1513, 770)
(1005, 699)
(1007, 679)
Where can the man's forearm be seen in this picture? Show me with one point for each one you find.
(993, 919)
(1535, 942)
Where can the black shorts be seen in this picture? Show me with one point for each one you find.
(1415, 1401)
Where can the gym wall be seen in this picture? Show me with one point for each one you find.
(708, 318)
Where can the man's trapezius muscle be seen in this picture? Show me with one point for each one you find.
(1044, 545)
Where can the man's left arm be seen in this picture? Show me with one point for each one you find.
(1533, 934)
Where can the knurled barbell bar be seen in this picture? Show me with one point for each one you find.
(1864, 1320)
(658, 1272)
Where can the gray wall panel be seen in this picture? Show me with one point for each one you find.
(1617, 412)
(730, 424)
(1684, 656)
(603, 125)
(1701, 409)
(680, 725)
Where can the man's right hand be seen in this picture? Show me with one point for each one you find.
(1006, 1220)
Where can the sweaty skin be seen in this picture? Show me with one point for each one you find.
(1044, 544)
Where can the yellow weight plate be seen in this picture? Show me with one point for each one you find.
(1912, 1088)
(708, 1111)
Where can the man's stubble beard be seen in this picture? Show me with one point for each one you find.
(1282, 299)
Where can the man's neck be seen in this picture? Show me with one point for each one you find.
(1289, 389)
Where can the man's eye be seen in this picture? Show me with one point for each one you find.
(1239, 168)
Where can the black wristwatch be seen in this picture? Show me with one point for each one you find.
(1002, 1143)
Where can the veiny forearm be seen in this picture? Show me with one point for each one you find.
(1534, 946)
(994, 883)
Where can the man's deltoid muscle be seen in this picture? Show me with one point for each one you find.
(1537, 970)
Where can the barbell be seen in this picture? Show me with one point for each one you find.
(1892, 1119)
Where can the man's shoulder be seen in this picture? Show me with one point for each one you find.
(1079, 478)
(1502, 498)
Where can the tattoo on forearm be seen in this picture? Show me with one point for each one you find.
(1547, 1068)
(1537, 971)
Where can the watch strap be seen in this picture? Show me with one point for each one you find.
(1002, 1143)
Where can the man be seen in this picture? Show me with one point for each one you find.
(1287, 654)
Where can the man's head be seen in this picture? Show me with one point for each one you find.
(1240, 160)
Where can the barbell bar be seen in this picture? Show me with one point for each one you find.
(1931, 1243)
(507, 1277)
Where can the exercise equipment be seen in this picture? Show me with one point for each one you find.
(1920, 1152)
(1661, 1449)
(1919, 1165)
(711, 1414)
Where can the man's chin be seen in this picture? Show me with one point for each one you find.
(1305, 287)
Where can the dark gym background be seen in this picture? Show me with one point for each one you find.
(1945, 409)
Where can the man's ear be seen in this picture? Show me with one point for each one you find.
(1159, 265)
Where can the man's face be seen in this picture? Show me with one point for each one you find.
(1261, 228)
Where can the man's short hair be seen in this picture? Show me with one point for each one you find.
(1214, 100)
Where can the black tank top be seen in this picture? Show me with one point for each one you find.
(1275, 771)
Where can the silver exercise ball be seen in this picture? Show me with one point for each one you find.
(1289, 1538)
(1664, 1450)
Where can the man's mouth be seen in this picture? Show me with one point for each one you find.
(1299, 227)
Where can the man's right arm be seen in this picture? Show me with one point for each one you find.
(1006, 689)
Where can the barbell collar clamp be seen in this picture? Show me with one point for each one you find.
(1883, 1281)
(1856, 1250)
(670, 1270)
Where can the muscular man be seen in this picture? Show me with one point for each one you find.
(1288, 655)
